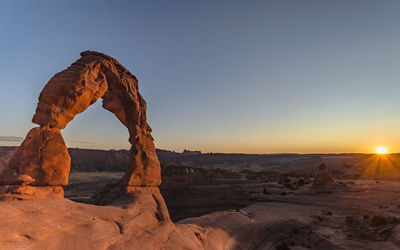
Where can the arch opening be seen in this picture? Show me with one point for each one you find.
(98, 145)
(96, 128)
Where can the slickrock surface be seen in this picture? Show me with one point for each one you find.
(27, 192)
(362, 216)
(64, 224)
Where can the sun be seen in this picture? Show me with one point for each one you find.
(381, 150)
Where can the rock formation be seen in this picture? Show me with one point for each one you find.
(42, 161)
(323, 179)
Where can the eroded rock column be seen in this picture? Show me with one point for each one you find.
(39, 167)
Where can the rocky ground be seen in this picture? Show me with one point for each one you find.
(285, 211)
(360, 214)
(190, 192)
(214, 209)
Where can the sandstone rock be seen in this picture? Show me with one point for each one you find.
(41, 160)
(161, 213)
(95, 76)
(18, 180)
(18, 192)
(43, 155)
(64, 224)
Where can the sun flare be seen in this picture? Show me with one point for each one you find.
(381, 150)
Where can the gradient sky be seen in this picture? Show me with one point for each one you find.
(218, 76)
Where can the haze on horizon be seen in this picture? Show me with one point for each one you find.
(218, 76)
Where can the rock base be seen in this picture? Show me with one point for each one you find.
(134, 192)
(21, 192)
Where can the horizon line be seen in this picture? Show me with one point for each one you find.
(201, 152)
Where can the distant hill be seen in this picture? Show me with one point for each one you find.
(92, 160)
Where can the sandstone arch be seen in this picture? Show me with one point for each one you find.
(43, 162)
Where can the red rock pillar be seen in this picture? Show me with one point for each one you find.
(39, 167)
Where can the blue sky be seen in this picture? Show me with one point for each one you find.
(218, 76)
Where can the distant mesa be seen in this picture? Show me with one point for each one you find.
(189, 152)
(42, 162)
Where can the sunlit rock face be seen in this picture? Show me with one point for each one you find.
(43, 158)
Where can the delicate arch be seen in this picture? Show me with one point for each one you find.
(43, 160)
